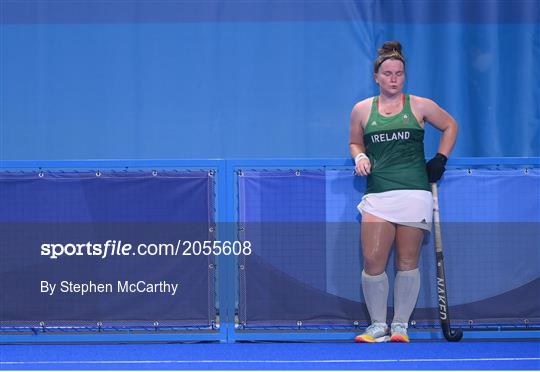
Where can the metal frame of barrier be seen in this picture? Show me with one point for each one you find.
(227, 329)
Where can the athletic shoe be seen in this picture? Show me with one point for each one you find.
(377, 332)
(399, 332)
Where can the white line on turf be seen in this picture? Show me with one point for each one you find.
(274, 361)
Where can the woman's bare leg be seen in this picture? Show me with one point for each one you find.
(407, 283)
(377, 238)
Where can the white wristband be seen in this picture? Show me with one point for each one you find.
(359, 157)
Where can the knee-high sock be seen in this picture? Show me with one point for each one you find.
(406, 288)
(375, 290)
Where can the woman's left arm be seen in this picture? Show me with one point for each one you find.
(440, 119)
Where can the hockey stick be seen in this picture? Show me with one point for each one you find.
(444, 315)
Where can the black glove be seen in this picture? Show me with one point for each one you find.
(435, 167)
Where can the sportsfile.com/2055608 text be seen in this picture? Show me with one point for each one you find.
(112, 248)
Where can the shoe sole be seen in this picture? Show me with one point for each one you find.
(399, 338)
(367, 339)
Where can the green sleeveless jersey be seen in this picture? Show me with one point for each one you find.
(395, 147)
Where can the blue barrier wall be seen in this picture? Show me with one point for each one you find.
(301, 219)
(83, 247)
(225, 79)
(307, 261)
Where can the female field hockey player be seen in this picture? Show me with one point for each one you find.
(386, 142)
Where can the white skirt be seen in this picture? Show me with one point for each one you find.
(404, 207)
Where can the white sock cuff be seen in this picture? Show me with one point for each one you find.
(412, 272)
(374, 278)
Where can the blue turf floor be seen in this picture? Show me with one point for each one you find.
(322, 355)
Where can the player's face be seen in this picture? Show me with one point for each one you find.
(391, 77)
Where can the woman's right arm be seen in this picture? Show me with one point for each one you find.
(356, 139)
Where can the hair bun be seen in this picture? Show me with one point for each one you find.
(389, 50)
(390, 46)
